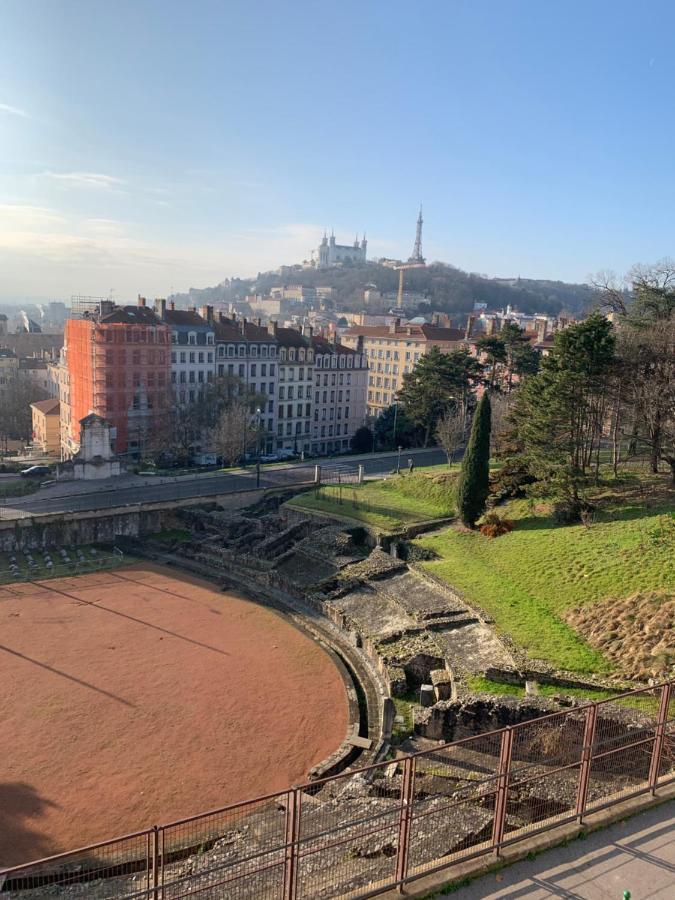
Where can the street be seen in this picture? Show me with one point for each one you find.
(132, 489)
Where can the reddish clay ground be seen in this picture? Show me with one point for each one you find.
(140, 696)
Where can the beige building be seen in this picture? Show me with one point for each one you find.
(46, 426)
(392, 350)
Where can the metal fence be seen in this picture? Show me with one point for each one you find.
(362, 832)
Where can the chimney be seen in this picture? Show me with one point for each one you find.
(259, 322)
(492, 325)
(106, 307)
(160, 308)
(542, 326)
(141, 301)
(469, 327)
(272, 328)
(359, 344)
(394, 325)
(172, 305)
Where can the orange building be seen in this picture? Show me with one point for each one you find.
(118, 362)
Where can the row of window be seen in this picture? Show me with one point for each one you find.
(289, 428)
(192, 338)
(193, 356)
(240, 350)
(289, 410)
(334, 414)
(378, 381)
(340, 379)
(135, 358)
(192, 377)
(376, 397)
(392, 354)
(144, 335)
(133, 379)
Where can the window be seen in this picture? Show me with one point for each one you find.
(192, 356)
(271, 368)
(242, 370)
(254, 350)
(253, 370)
(210, 338)
(192, 337)
(263, 369)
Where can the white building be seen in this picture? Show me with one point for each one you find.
(331, 254)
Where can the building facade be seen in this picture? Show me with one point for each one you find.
(247, 351)
(193, 350)
(392, 351)
(340, 386)
(331, 254)
(46, 426)
(295, 390)
(118, 363)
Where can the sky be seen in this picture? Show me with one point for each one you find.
(147, 146)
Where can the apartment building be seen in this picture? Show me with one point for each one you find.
(193, 349)
(340, 386)
(118, 367)
(46, 418)
(248, 351)
(295, 389)
(392, 350)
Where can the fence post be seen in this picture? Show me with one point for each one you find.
(404, 820)
(586, 759)
(655, 764)
(361, 474)
(291, 836)
(154, 850)
(502, 789)
(317, 474)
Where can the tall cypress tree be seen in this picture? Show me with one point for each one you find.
(472, 487)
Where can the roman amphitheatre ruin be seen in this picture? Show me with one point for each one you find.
(234, 654)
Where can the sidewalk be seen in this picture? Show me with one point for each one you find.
(636, 855)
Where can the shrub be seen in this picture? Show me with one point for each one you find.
(494, 525)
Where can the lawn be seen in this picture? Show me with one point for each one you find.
(527, 579)
(387, 505)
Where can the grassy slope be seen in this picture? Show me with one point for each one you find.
(18, 488)
(529, 578)
(386, 504)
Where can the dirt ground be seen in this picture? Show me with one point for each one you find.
(140, 696)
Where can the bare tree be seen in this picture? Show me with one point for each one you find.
(501, 406)
(451, 431)
(235, 431)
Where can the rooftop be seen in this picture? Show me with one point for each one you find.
(411, 331)
(49, 407)
(131, 315)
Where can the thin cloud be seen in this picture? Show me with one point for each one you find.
(85, 179)
(13, 111)
(22, 215)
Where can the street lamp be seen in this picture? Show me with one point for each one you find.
(257, 447)
(395, 418)
(398, 461)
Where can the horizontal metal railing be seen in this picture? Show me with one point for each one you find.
(361, 832)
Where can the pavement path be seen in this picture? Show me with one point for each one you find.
(636, 855)
(132, 489)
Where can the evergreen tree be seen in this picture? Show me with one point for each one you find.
(439, 382)
(472, 487)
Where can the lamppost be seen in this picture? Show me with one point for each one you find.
(398, 461)
(257, 447)
(395, 417)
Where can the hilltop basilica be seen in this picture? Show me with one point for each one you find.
(330, 253)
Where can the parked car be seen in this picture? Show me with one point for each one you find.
(35, 472)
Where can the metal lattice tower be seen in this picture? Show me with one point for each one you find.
(417, 249)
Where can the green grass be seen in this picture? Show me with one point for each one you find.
(644, 702)
(387, 505)
(19, 488)
(405, 707)
(527, 579)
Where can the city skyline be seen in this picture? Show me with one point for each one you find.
(153, 148)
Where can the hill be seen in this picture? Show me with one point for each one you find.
(446, 288)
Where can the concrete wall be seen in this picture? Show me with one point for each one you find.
(103, 526)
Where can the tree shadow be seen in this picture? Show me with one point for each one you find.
(20, 841)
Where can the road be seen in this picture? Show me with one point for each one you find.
(131, 489)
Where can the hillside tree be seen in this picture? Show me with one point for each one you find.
(474, 478)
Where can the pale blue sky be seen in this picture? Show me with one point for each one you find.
(151, 144)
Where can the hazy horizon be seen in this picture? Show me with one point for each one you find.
(150, 148)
